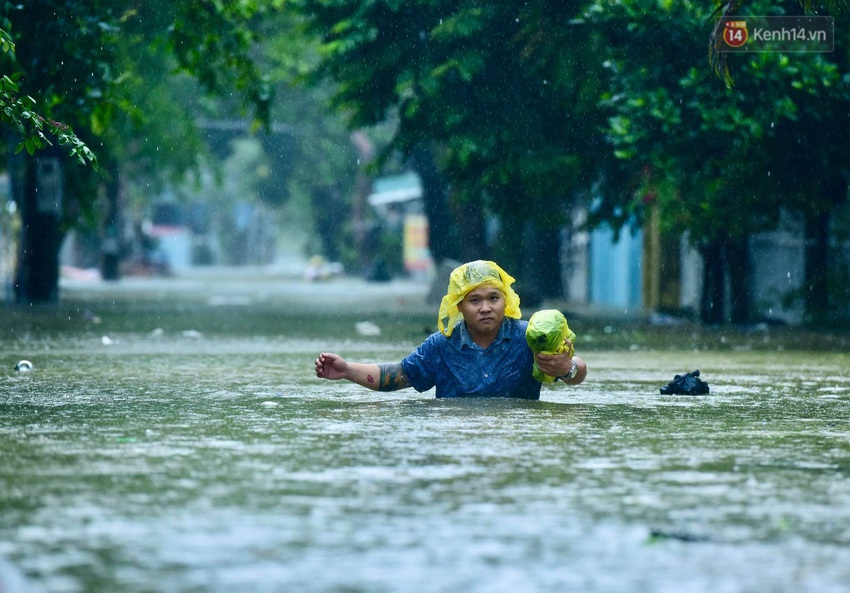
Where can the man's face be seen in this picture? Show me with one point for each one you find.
(483, 309)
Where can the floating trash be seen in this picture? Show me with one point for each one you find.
(106, 341)
(367, 328)
(157, 333)
(91, 317)
(657, 535)
(687, 384)
(23, 366)
(192, 333)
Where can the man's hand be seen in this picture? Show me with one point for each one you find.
(555, 365)
(558, 365)
(331, 366)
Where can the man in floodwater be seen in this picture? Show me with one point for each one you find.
(480, 349)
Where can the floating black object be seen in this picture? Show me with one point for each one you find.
(689, 384)
(659, 535)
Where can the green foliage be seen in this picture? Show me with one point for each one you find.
(531, 102)
(735, 155)
(120, 73)
(514, 116)
(719, 61)
(519, 96)
(214, 40)
(34, 129)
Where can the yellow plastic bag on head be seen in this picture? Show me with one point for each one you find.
(545, 333)
(468, 277)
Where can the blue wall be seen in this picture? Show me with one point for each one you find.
(615, 268)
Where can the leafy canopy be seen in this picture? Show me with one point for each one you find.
(19, 113)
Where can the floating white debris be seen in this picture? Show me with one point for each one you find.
(106, 341)
(191, 333)
(367, 328)
(270, 404)
(91, 317)
(157, 333)
(24, 366)
(219, 301)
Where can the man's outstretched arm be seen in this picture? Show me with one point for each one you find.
(380, 377)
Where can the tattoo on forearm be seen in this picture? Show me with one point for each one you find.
(392, 377)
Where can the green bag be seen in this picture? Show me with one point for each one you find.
(545, 333)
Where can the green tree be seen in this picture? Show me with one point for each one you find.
(721, 162)
(81, 58)
(480, 93)
(508, 100)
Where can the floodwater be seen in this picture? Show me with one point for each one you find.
(183, 445)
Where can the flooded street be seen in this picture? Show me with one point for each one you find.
(173, 438)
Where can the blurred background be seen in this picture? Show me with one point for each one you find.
(603, 152)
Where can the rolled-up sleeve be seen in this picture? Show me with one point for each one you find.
(419, 366)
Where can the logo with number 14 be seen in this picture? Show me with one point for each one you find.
(735, 34)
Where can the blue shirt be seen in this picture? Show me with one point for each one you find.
(459, 367)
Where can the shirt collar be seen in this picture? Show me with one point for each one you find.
(466, 339)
